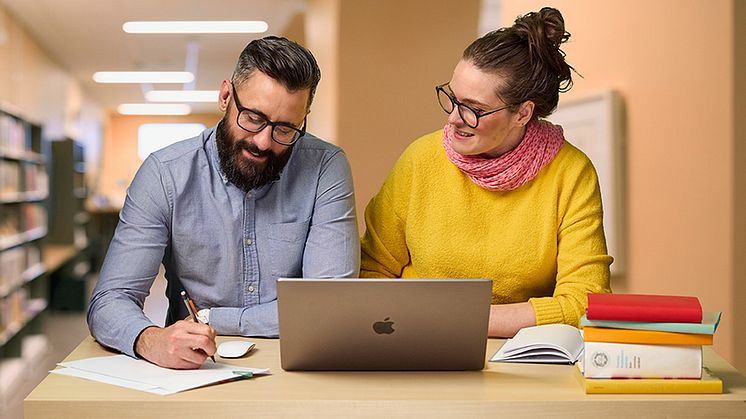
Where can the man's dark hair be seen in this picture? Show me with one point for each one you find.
(281, 59)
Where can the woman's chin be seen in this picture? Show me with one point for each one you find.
(463, 148)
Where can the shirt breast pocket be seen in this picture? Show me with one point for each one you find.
(287, 242)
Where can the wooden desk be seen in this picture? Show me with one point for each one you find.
(499, 390)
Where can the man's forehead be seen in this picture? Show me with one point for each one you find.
(272, 99)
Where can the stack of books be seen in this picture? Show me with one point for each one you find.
(647, 344)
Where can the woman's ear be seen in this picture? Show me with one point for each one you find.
(524, 113)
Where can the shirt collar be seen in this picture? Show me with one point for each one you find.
(212, 147)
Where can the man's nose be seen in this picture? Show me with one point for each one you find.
(263, 138)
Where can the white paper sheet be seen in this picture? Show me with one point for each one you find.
(137, 374)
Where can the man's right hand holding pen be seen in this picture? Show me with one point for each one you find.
(182, 345)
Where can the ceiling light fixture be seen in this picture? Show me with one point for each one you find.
(154, 109)
(203, 26)
(143, 77)
(182, 96)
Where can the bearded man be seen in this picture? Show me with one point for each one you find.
(227, 213)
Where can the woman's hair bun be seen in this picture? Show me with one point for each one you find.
(528, 57)
(546, 25)
(544, 31)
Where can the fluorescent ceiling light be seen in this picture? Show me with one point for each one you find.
(143, 77)
(154, 109)
(182, 95)
(204, 26)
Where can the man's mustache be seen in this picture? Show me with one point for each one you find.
(252, 148)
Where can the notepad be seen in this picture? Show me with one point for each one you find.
(549, 343)
(137, 374)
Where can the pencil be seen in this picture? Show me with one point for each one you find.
(192, 311)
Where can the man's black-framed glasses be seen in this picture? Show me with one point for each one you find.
(469, 115)
(282, 132)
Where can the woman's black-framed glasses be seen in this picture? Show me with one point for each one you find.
(468, 115)
(282, 132)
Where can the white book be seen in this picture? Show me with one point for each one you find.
(626, 360)
(549, 343)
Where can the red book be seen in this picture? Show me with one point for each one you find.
(644, 308)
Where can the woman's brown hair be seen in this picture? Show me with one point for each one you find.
(529, 57)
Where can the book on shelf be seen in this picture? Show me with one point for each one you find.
(13, 262)
(549, 343)
(708, 384)
(644, 308)
(9, 179)
(629, 360)
(708, 325)
(12, 136)
(651, 337)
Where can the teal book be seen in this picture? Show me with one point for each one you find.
(709, 324)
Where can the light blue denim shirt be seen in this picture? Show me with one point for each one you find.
(226, 247)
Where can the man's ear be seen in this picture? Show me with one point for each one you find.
(224, 97)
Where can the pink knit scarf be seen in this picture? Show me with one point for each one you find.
(540, 144)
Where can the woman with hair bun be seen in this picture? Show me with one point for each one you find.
(498, 193)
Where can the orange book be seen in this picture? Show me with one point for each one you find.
(653, 337)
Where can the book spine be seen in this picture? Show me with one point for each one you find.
(625, 360)
(643, 313)
(708, 384)
(597, 334)
(652, 386)
(709, 324)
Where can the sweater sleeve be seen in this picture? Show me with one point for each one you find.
(582, 259)
(384, 251)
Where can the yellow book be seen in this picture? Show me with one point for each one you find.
(653, 337)
(708, 384)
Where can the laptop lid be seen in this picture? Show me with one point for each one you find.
(383, 324)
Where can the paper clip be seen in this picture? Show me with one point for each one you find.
(244, 374)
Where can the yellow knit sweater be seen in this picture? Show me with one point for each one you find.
(543, 242)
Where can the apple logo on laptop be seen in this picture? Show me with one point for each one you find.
(384, 327)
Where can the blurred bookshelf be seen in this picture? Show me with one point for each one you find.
(24, 287)
(69, 225)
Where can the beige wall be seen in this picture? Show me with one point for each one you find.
(119, 157)
(322, 38)
(388, 55)
(27, 75)
(739, 190)
(672, 61)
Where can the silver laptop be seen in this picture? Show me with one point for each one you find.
(383, 324)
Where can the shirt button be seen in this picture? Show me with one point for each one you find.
(251, 288)
(248, 242)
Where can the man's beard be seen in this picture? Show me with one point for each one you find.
(241, 171)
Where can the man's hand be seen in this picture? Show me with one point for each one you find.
(183, 345)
